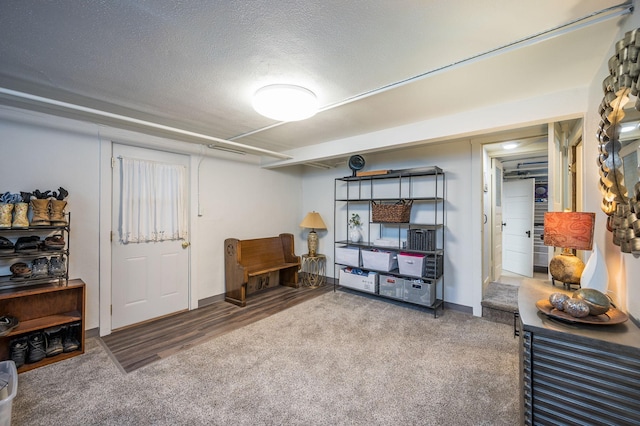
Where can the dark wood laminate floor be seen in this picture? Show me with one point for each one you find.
(143, 344)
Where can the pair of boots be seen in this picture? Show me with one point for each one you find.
(47, 212)
(20, 219)
(50, 342)
(42, 267)
(28, 349)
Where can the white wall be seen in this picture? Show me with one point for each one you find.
(45, 157)
(622, 267)
(243, 201)
(237, 198)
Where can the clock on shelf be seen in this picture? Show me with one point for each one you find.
(356, 163)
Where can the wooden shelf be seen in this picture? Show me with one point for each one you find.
(45, 322)
(51, 360)
(39, 307)
(421, 171)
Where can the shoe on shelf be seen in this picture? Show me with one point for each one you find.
(7, 323)
(6, 209)
(71, 341)
(18, 351)
(54, 242)
(57, 266)
(20, 270)
(53, 340)
(6, 246)
(28, 244)
(20, 216)
(37, 350)
(40, 267)
(40, 210)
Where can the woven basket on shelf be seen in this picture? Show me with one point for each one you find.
(399, 212)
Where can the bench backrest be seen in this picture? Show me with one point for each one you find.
(261, 252)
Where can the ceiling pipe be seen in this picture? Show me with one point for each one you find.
(59, 105)
(225, 149)
(533, 165)
(593, 18)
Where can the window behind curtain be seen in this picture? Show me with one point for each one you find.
(152, 204)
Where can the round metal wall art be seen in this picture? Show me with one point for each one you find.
(619, 87)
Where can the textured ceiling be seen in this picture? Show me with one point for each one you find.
(194, 65)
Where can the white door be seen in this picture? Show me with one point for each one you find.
(149, 279)
(517, 232)
(496, 220)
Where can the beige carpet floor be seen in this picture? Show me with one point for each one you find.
(341, 358)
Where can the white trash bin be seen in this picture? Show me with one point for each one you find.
(9, 373)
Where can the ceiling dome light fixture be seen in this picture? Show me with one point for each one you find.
(510, 145)
(285, 102)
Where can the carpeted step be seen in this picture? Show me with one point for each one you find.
(500, 302)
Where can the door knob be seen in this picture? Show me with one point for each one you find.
(185, 244)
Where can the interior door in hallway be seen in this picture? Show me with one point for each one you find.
(496, 218)
(149, 279)
(517, 233)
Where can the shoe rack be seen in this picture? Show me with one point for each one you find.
(29, 256)
(40, 307)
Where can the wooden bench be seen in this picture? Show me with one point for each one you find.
(257, 264)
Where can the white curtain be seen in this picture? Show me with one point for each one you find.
(152, 204)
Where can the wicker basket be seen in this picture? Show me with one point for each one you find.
(399, 212)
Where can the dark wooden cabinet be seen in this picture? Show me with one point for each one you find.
(40, 307)
(576, 374)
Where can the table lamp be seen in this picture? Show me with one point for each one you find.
(571, 231)
(313, 221)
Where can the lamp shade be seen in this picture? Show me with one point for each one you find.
(313, 221)
(571, 230)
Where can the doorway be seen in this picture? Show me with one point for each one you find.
(523, 165)
(549, 157)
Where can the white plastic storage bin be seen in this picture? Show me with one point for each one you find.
(411, 264)
(391, 286)
(348, 256)
(359, 282)
(380, 260)
(417, 291)
(8, 370)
